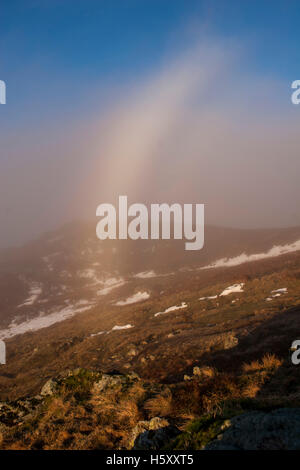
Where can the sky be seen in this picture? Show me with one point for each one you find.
(163, 101)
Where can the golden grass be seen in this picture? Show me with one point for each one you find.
(268, 362)
(160, 405)
(105, 418)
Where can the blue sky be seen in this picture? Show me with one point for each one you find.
(55, 53)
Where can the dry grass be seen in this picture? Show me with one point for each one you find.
(257, 374)
(160, 405)
(86, 417)
(269, 362)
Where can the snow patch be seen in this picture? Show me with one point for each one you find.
(138, 297)
(90, 275)
(43, 321)
(97, 334)
(277, 293)
(124, 327)
(110, 284)
(281, 291)
(34, 292)
(276, 250)
(171, 309)
(209, 298)
(145, 275)
(233, 289)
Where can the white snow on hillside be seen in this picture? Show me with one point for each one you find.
(43, 321)
(145, 274)
(34, 292)
(277, 293)
(98, 334)
(281, 291)
(171, 309)
(138, 297)
(110, 284)
(233, 289)
(115, 328)
(244, 258)
(124, 327)
(209, 298)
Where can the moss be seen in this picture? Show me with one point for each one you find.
(79, 385)
(198, 433)
(203, 430)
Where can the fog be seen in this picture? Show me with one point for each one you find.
(200, 127)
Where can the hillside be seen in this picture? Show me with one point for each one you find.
(206, 337)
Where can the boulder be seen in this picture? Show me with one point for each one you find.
(257, 430)
(113, 380)
(152, 435)
(49, 388)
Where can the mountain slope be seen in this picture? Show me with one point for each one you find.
(69, 300)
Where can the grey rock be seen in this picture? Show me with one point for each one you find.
(110, 381)
(152, 435)
(257, 430)
(49, 388)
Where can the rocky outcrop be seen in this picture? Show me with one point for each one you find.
(53, 385)
(15, 412)
(110, 381)
(113, 410)
(50, 387)
(152, 435)
(257, 430)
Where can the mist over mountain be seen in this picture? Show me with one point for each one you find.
(69, 271)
